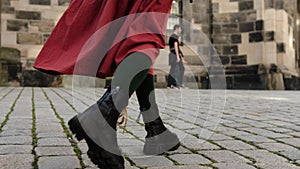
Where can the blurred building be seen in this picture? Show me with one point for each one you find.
(257, 41)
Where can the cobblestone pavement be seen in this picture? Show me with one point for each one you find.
(255, 129)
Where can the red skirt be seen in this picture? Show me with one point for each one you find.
(94, 36)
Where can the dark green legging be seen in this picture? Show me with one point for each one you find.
(132, 75)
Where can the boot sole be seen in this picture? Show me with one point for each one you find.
(160, 144)
(76, 128)
(94, 152)
(156, 149)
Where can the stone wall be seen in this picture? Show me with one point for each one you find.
(10, 66)
(247, 32)
(26, 24)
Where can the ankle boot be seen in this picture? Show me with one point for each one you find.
(97, 125)
(158, 139)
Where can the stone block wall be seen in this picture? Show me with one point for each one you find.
(10, 65)
(248, 32)
(26, 24)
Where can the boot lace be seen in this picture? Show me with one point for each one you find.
(123, 119)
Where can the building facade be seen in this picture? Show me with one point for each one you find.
(257, 41)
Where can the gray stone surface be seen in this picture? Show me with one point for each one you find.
(55, 151)
(15, 133)
(53, 142)
(16, 161)
(58, 162)
(291, 141)
(51, 134)
(259, 129)
(182, 167)
(152, 161)
(16, 140)
(234, 145)
(190, 159)
(233, 166)
(265, 159)
(277, 147)
(225, 156)
(255, 138)
(15, 149)
(198, 144)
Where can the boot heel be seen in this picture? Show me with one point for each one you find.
(161, 143)
(76, 128)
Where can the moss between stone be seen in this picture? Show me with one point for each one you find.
(33, 133)
(67, 132)
(11, 110)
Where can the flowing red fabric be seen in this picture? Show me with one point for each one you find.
(94, 36)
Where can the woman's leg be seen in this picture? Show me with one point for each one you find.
(145, 93)
(97, 124)
(158, 139)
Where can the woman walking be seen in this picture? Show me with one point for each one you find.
(119, 38)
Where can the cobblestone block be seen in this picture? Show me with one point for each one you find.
(182, 167)
(255, 139)
(48, 127)
(233, 166)
(225, 156)
(18, 125)
(5, 133)
(53, 142)
(54, 151)
(59, 162)
(16, 140)
(292, 127)
(51, 134)
(196, 144)
(265, 133)
(16, 161)
(180, 150)
(293, 154)
(281, 130)
(130, 142)
(291, 141)
(132, 151)
(265, 159)
(152, 161)
(234, 145)
(296, 134)
(276, 147)
(15, 149)
(190, 159)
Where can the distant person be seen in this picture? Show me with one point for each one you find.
(176, 59)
